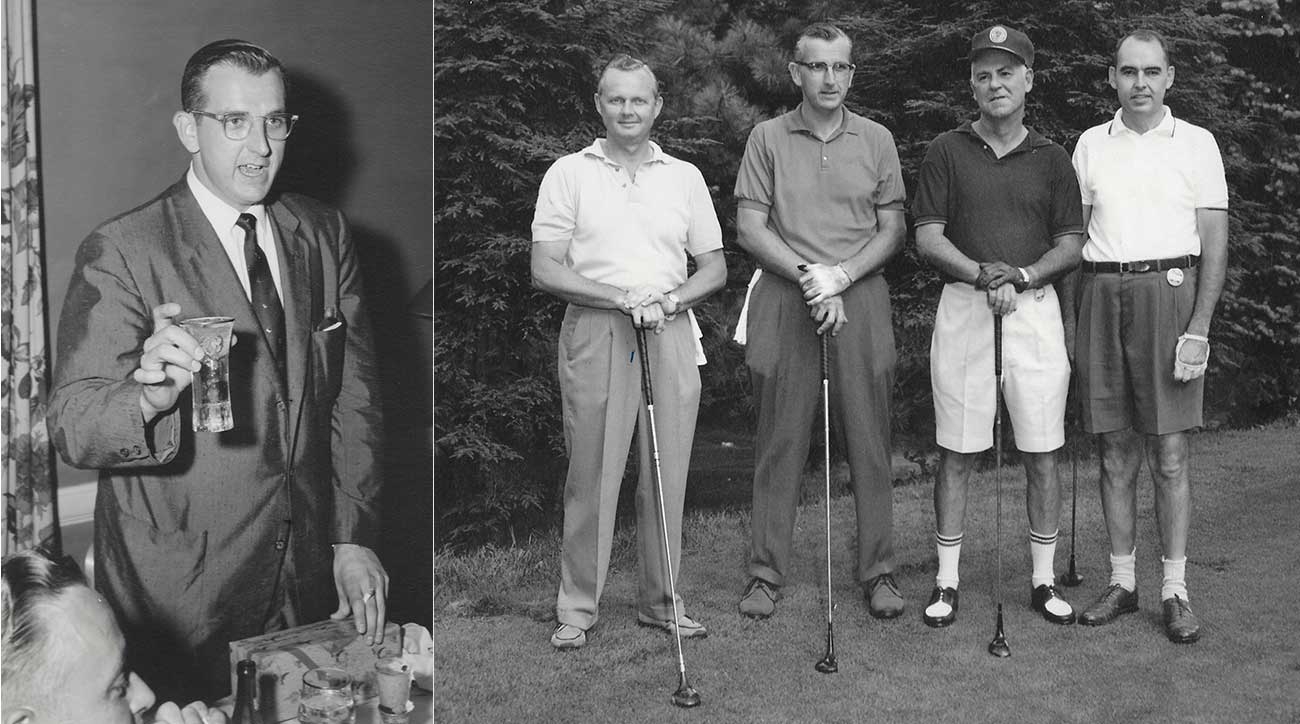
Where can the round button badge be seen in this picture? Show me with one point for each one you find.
(998, 34)
(1174, 277)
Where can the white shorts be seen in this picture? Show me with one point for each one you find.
(1035, 369)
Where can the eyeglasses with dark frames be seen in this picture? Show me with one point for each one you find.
(238, 125)
(819, 67)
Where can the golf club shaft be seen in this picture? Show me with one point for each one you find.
(998, 646)
(826, 462)
(648, 389)
(1074, 496)
(997, 443)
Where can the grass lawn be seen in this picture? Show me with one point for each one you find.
(494, 610)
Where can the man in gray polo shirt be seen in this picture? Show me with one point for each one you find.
(820, 207)
(997, 213)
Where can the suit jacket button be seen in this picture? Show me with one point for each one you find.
(125, 451)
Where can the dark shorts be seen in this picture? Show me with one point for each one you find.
(1129, 325)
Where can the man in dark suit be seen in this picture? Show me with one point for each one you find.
(203, 538)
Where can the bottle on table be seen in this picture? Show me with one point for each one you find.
(246, 694)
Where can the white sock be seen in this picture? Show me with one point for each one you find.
(1174, 585)
(949, 549)
(1042, 551)
(1123, 570)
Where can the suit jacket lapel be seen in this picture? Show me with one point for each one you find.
(296, 274)
(207, 268)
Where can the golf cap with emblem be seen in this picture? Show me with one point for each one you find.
(1000, 37)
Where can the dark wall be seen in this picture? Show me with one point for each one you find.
(360, 74)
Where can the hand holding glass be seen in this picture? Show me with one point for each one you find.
(210, 387)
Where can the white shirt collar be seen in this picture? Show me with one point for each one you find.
(597, 149)
(1164, 128)
(221, 215)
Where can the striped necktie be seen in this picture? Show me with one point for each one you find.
(266, 302)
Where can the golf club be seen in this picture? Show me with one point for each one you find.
(1071, 577)
(827, 665)
(998, 646)
(686, 696)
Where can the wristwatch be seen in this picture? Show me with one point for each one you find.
(677, 305)
(1024, 279)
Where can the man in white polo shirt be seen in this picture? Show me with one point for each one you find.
(611, 232)
(1155, 203)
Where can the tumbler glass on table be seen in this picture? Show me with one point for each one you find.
(210, 388)
(326, 697)
(393, 677)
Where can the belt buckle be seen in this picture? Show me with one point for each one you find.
(1137, 267)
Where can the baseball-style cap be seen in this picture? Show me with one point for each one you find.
(1000, 37)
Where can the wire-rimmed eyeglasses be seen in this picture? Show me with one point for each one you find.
(237, 125)
(819, 67)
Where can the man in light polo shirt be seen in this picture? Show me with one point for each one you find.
(1155, 203)
(612, 229)
(820, 207)
(997, 214)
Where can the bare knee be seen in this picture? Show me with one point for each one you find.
(1167, 458)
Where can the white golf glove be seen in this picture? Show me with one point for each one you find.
(1188, 369)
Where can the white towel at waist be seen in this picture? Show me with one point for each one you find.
(740, 335)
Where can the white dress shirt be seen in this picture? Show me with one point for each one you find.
(222, 216)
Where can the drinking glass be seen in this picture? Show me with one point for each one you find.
(326, 697)
(210, 388)
(394, 679)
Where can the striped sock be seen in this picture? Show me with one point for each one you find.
(1174, 583)
(1042, 551)
(1123, 570)
(949, 549)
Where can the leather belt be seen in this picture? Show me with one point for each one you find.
(1138, 267)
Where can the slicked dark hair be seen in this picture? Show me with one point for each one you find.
(1150, 36)
(626, 63)
(240, 53)
(33, 581)
(820, 31)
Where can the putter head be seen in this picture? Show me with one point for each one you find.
(828, 665)
(998, 646)
(686, 696)
(1070, 578)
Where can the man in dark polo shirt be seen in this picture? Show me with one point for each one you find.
(820, 197)
(997, 213)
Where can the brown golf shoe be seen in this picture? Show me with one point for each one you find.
(1181, 625)
(759, 599)
(883, 597)
(1109, 606)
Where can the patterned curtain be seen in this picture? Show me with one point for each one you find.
(28, 476)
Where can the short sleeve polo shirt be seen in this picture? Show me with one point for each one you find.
(823, 201)
(1005, 209)
(1145, 188)
(622, 232)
